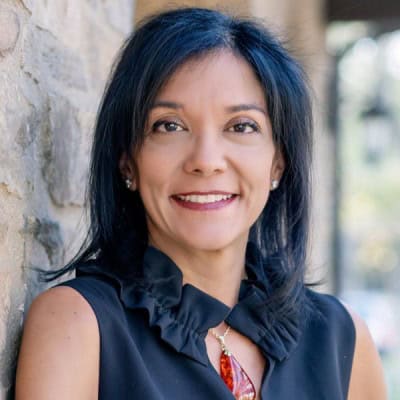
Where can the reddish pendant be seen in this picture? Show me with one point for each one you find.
(236, 378)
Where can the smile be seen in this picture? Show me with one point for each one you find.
(204, 201)
(208, 198)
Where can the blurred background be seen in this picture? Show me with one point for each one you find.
(54, 61)
(366, 121)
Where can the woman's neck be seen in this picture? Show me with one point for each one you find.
(215, 272)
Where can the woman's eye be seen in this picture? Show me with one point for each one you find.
(244, 127)
(166, 126)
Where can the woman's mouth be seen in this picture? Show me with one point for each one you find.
(204, 201)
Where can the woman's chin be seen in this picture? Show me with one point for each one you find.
(212, 242)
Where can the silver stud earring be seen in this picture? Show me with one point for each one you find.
(128, 183)
(274, 184)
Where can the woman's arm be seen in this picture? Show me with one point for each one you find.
(59, 356)
(367, 380)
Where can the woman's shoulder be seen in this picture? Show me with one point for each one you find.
(61, 308)
(60, 332)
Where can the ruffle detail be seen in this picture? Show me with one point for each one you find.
(184, 314)
(253, 317)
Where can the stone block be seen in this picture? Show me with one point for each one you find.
(64, 154)
(47, 57)
(48, 234)
(119, 17)
(9, 31)
(11, 315)
(3, 232)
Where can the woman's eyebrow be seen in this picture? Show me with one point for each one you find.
(231, 109)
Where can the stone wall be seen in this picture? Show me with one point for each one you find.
(54, 60)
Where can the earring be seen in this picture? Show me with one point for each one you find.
(274, 184)
(128, 183)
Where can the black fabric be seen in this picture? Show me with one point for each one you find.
(152, 334)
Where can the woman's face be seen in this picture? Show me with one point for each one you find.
(205, 169)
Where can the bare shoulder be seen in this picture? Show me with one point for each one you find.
(367, 380)
(59, 354)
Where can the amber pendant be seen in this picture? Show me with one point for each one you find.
(236, 378)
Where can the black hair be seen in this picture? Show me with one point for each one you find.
(160, 44)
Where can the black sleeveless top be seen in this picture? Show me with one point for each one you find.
(152, 335)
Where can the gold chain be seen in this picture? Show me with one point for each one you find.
(221, 339)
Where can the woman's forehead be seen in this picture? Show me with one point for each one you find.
(220, 75)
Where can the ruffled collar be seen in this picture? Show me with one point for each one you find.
(183, 314)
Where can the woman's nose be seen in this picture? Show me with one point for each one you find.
(206, 156)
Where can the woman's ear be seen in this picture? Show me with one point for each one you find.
(127, 169)
(278, 164)
(277, 168)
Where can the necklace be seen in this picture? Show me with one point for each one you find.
(232, 373)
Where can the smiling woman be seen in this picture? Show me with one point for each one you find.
(191, 280)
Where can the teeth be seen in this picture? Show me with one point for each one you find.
(208, 198)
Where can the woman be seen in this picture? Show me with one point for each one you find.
(191, 282)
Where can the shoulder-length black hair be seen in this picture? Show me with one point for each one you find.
(160, 44)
